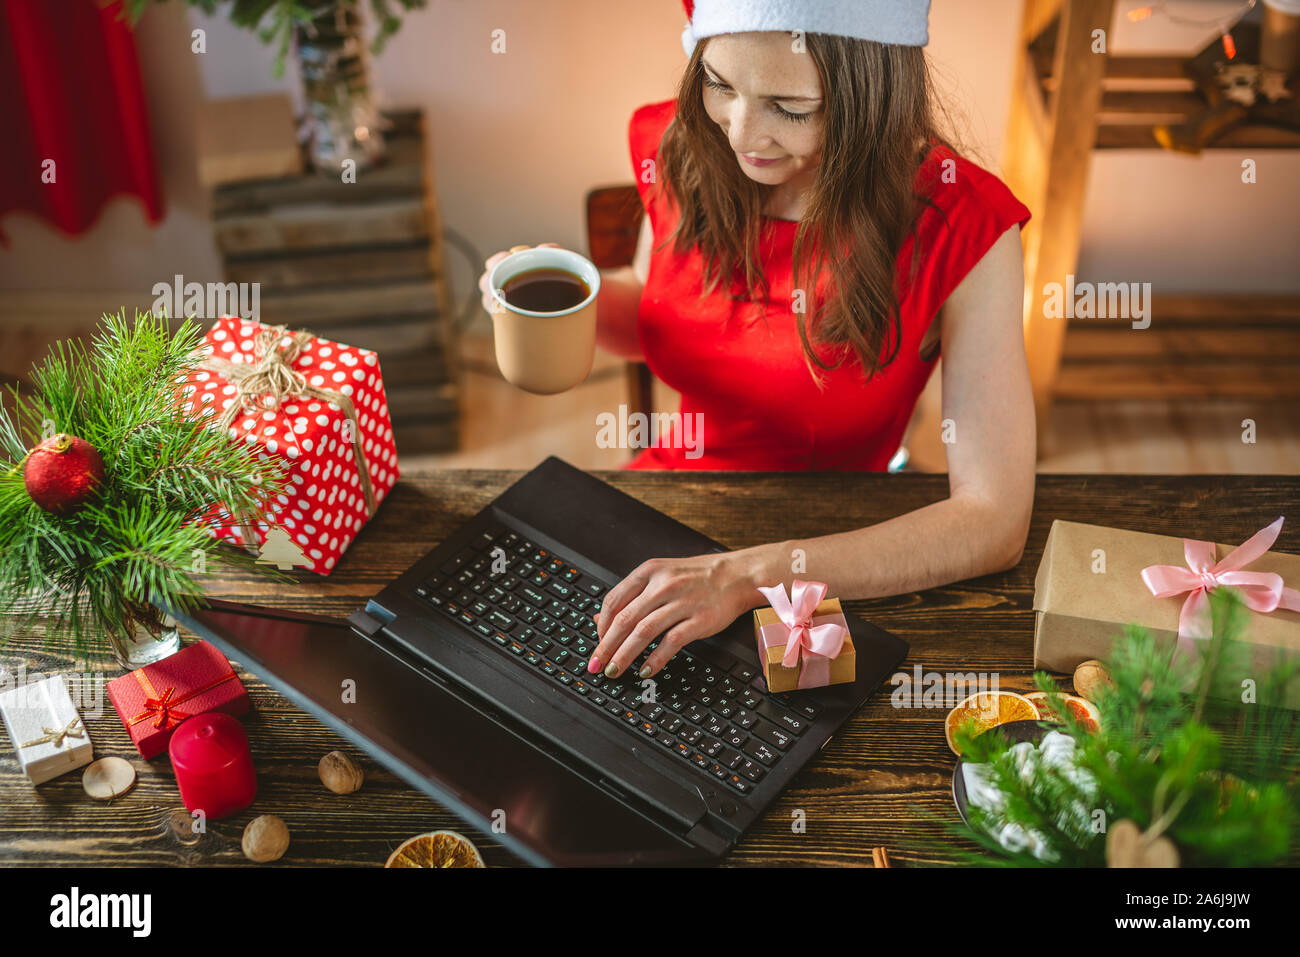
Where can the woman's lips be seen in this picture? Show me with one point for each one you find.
(754, 161)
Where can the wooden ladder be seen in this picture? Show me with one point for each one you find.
(1066, 102)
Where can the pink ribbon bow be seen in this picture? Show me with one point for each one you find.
(816, 644)
(1260, 591)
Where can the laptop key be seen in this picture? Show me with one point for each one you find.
(786, 720)
(751, 770)
(760, 752)
(739, 783)
(773, 735)
(667, 740)
(735, 737)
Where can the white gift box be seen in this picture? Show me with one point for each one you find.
(45, 729)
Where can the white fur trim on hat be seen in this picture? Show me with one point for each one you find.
(904, 22)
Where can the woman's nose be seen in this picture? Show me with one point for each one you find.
(744, 131)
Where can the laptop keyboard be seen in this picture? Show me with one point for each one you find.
(706, 707)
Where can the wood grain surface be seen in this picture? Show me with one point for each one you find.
(884, 780)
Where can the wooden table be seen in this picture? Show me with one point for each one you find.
(882, 781)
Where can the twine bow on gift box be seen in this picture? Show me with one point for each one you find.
(56, 736)
(271, 378)
(814, 645)
(1263, 592)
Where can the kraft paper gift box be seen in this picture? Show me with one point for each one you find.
(331, 428)
(1078, 612)
(154, 700)
(772, 632)
(46, 731)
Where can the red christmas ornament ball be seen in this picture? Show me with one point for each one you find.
(62, 473)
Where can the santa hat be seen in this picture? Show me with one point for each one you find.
(903, 22)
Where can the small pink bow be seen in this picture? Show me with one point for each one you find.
(1260, 591)
(796, 613)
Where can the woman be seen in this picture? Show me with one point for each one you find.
(811, 246)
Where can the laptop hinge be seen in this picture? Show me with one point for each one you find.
(369, 620)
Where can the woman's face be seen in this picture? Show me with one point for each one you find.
(768, 101)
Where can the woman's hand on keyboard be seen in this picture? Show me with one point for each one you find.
(683, 599)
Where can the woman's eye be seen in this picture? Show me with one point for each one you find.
(784, 114)
(797, 117)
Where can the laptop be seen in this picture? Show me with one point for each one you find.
(466, 677)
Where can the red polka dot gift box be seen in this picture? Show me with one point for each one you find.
(318, 406)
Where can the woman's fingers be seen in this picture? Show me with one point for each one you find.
(620, 595)
(647, 622)
(677, 638)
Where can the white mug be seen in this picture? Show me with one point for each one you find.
(544, 352)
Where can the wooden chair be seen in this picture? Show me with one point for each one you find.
(613, 224)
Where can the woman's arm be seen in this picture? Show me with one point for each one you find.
(981, 527)
(619, 300)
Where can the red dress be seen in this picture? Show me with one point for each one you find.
(745, 382)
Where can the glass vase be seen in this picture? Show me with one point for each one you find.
(340, 120)
(150, 635)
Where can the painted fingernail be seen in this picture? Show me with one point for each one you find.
(593, 665)
(611, 671)
(644, 672)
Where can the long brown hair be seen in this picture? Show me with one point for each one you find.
(877, 100)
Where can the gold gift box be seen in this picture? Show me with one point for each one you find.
(843, 667)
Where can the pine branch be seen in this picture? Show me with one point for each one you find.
(168, 481)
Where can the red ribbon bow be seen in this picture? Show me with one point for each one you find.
(167, 714)
(1260, 591)
(162, 705)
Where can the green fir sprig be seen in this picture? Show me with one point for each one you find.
(1198, 750)
(143, 536)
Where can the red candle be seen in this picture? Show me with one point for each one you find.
(210, 756)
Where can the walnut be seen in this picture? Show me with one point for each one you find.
(265, 839)
(340, 773)
(1088, 677)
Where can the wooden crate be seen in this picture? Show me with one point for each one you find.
(360, 263)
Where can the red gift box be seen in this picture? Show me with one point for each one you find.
(153, 701)
(330, 427)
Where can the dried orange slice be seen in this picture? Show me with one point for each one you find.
(1084, 711)
(988, 709)
(436, 849)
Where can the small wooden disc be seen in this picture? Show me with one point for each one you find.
(106, 778)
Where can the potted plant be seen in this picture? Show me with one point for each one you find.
(340, 120)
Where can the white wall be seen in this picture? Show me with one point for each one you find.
(518, 139)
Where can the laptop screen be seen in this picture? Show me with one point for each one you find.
(480, 770)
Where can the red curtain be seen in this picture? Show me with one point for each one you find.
(70, 91)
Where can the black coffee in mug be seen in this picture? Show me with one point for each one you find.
(545, 290)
